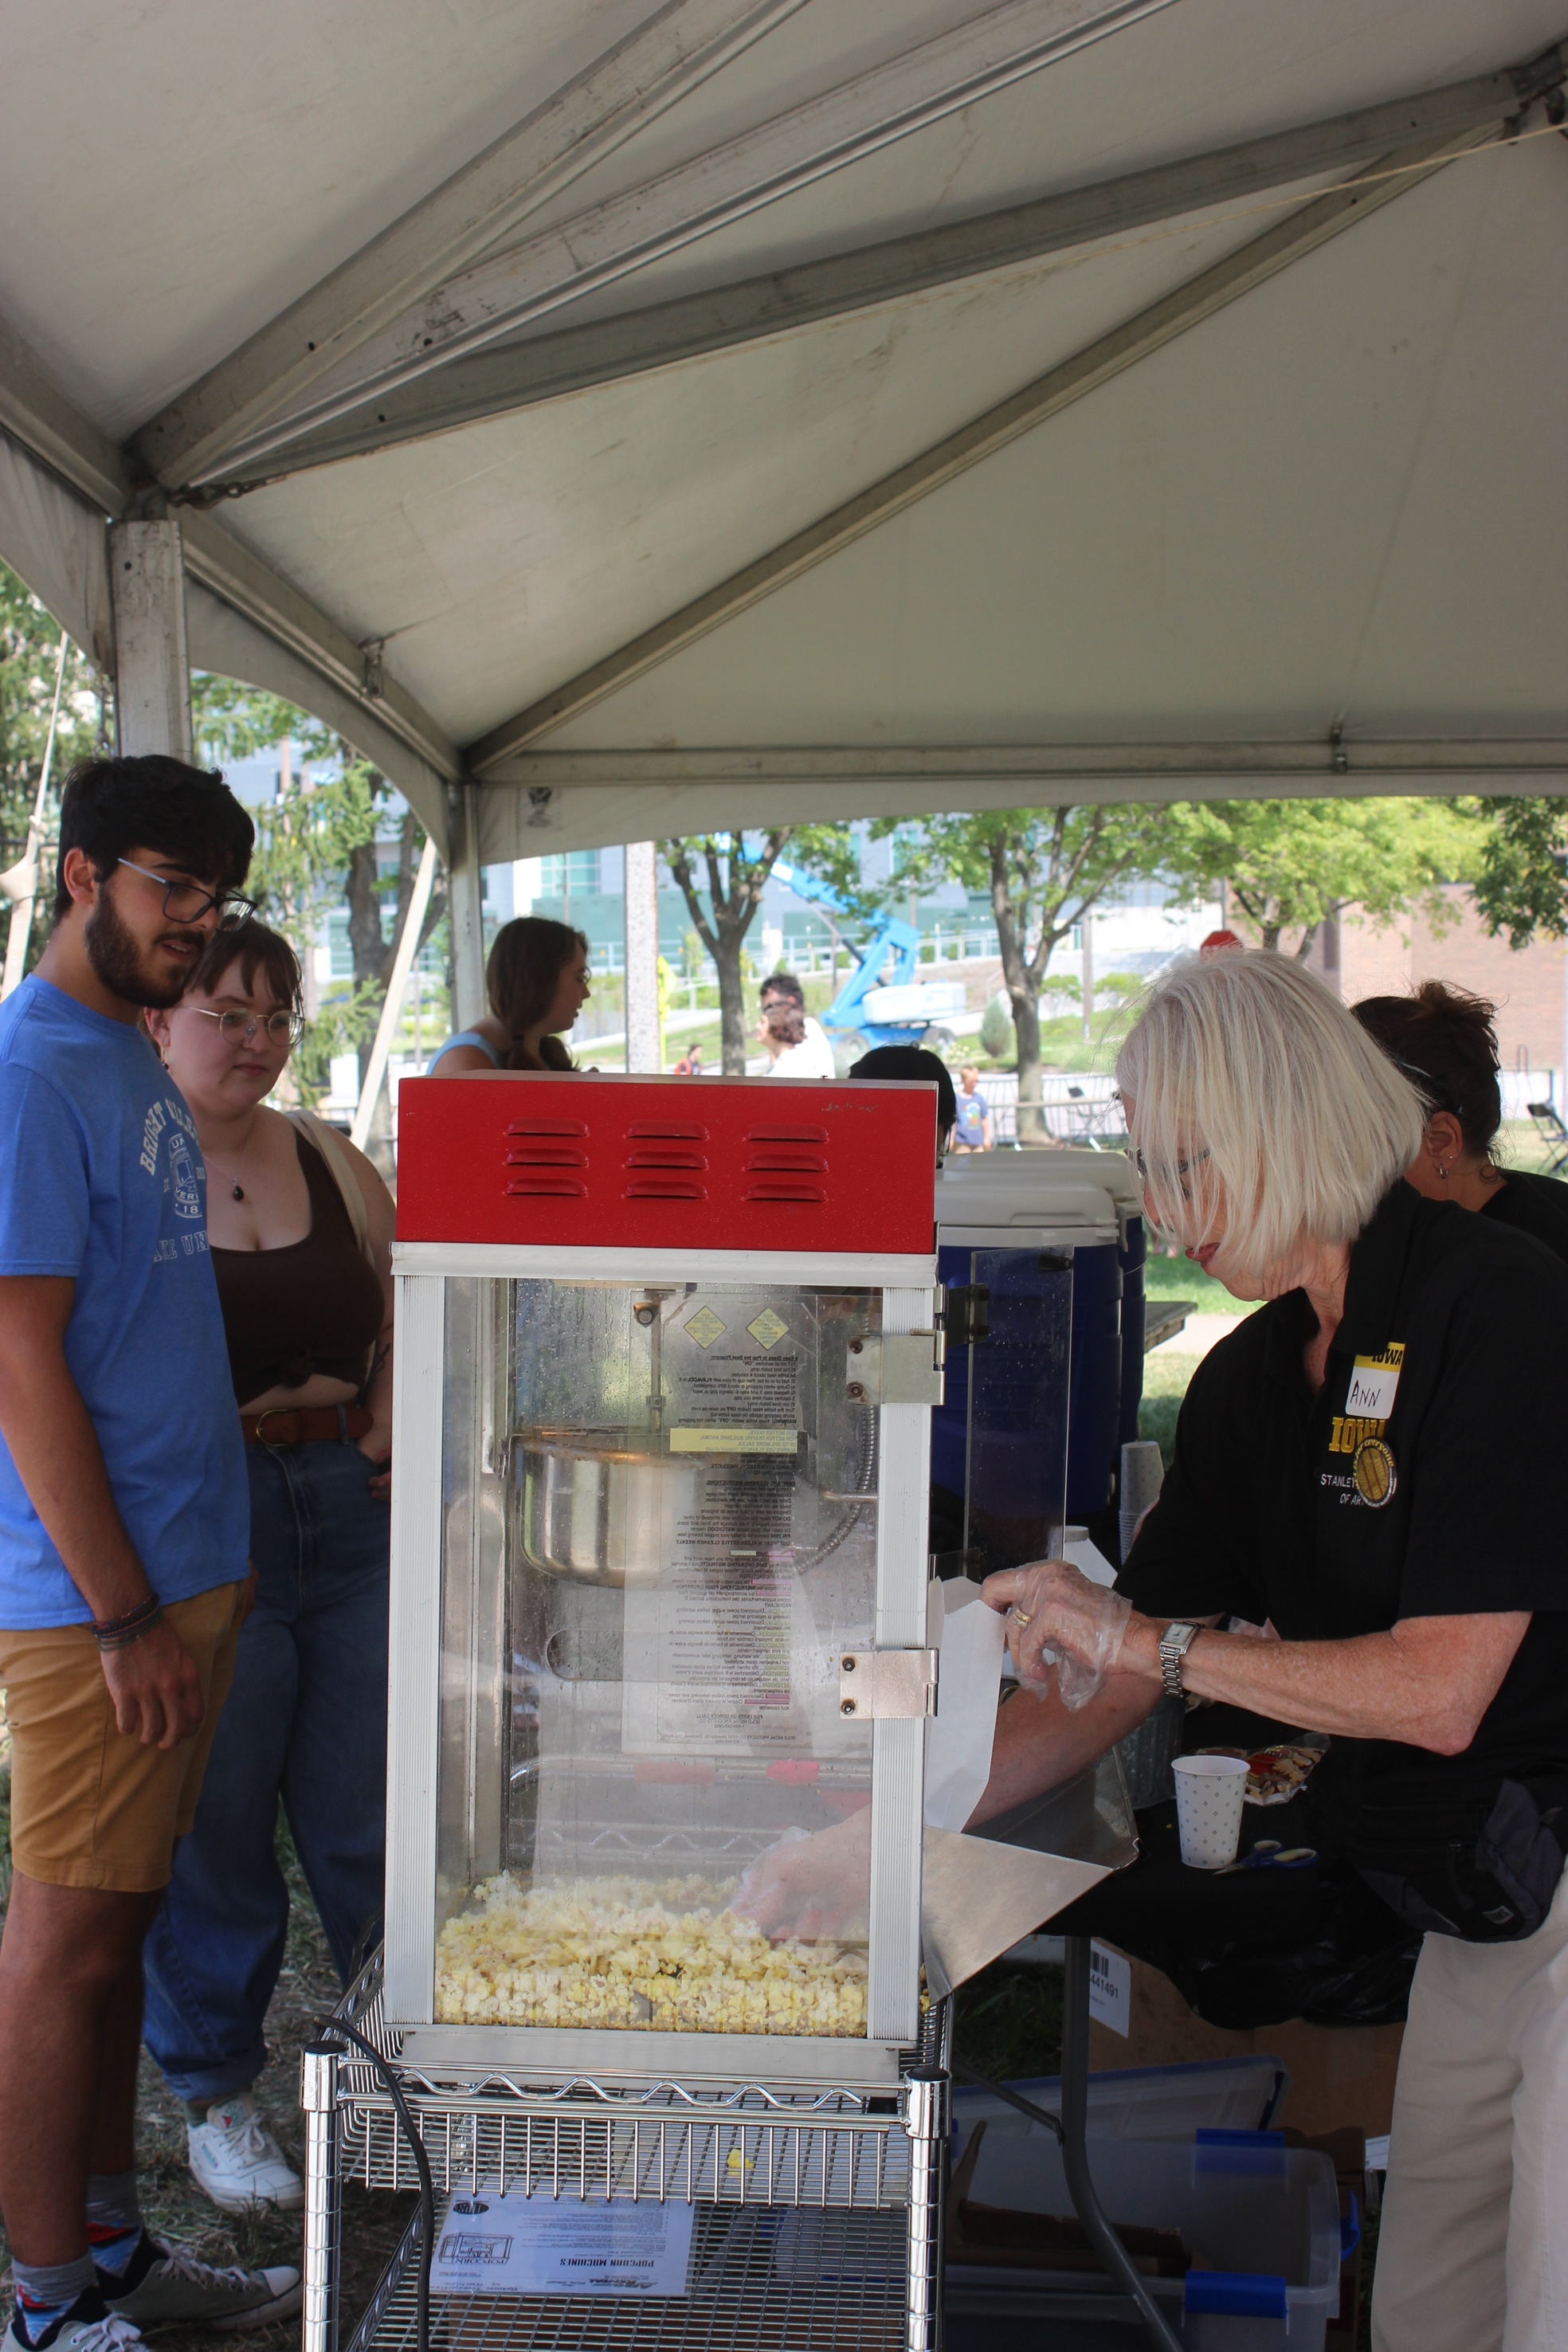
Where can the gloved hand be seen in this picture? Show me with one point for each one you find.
(810, 1884)
(1048, 1607)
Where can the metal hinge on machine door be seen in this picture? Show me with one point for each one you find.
(880, 1685)
(966, 1313)
(896, 1368)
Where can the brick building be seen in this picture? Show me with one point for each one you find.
(1529, 988)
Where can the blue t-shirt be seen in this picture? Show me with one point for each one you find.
(969, 1123)
(102, 1179)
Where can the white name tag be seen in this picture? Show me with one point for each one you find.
(1373, 1380)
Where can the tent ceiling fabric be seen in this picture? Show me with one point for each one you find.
(1328, 504)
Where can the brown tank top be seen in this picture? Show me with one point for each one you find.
(314, 1306)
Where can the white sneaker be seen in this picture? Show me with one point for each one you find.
(236, 2160)
(107, 2334)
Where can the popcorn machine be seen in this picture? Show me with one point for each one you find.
(659, 1679)
(664, 1463)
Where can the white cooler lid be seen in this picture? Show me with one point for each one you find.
(991, 1199)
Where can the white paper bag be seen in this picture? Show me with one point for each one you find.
(960, 1736)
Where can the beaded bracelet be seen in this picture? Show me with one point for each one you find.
(118, 1633)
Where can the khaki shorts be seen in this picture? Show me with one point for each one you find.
(90, 1805)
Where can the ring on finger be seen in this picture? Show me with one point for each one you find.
(1019, 1617)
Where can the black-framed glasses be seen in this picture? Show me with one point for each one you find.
(233, 1027)
(187, 902)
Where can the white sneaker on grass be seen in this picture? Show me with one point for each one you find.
(236, 2160)
(73, 2334)
(176, 2289)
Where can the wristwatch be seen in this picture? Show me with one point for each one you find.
(1175, 1643)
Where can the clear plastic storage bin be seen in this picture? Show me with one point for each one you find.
(1262, 2220)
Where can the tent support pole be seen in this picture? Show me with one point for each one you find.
(643, 1044)
(464, 899)
(151, 665)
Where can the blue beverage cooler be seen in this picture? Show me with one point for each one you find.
(1041, 1255)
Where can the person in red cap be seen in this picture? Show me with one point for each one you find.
(1218, 942)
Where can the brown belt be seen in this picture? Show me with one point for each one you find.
(314, 1424)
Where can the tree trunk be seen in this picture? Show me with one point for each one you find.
(1269, 938)
(731, 1003)
(1308, 936)
(366, 945)
(1027, 1029)
(1023, 988)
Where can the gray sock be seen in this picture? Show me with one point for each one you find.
(52, 2286)
(112, 2202)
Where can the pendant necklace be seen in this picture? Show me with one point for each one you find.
(236, 1189)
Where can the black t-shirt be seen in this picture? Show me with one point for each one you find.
(1536, 1204)
(1260, 1515)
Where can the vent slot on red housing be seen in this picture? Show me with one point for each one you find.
(780, 1162)
(786, 1135)
(545, 1155)
(665, 1188)
(548, 1127)
(786, 1190)
(665, 1131)
(666, 1156)
(546, 1184)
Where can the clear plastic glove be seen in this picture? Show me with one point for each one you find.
(810, 1885)
(1050, 1609)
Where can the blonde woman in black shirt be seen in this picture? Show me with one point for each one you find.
(1372, 1468)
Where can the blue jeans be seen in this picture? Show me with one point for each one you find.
(306, 1722)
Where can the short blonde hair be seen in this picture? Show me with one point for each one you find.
(1249, 1080)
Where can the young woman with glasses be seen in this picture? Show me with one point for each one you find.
(300, 1228)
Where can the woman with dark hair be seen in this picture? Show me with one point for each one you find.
(1445, 1041)
(300, 1230)
(537, 982)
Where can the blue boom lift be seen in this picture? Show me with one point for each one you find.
(881, 1000)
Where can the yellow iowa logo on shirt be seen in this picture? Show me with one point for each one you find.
(1349, 1429)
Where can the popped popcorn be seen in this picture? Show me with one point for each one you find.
(660, 1955)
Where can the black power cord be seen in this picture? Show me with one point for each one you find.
(393, 2090)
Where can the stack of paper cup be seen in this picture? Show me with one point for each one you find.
(1210, 1793)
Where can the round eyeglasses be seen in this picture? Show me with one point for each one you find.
(234, 1027)
(187, 902)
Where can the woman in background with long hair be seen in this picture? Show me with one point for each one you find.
(537, 982)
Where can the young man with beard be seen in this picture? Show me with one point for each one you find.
(123, 1538)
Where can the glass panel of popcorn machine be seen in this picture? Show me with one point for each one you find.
(691, 1540)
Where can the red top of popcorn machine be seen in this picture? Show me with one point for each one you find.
(584, 1160)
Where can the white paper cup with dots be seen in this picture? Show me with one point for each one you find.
(1210, 1793)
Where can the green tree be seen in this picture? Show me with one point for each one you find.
(1521, 872)
(320, 842)
(29, 661)
(1043, 870)
(1294, 865)
(722, 876)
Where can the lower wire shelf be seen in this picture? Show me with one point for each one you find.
(748, 2292)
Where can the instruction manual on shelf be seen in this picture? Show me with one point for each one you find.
(491, 2244)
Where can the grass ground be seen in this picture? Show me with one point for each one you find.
(176, 2208)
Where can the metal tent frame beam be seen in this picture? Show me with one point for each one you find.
(581, 800)
(496, 381)
(595, 247)
(669, 55)
(45, 422)
(1211, 291)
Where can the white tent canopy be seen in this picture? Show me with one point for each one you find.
(624, 419)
